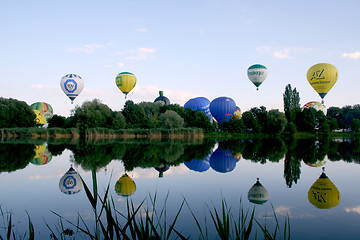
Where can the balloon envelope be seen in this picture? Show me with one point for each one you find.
(44, 108)
(199, 103)
(258, 194)
(257, 73)
(125, 186)
(222, 108)
(40, 118)
(237, 112)
(125, 81)
(42, 155)
(222, 161)
(72, 85)
(322, 77)
(323, 193)
(71, 182)
(199, 165)
(162, 100)
(316, 105)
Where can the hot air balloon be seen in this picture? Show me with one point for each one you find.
(222, 161)
(72, 85)
(237, 112)
(199, 165)
(161, 169)
(322, 78)
(42, 155)
(40, 118)
(323, 193)
(125, 81)
(258, 194)
(199, 103)
(316, 105)
(44, 108)
(71, 182)
(162, 100)
(222, 108)
(125, 186)
(257, 74)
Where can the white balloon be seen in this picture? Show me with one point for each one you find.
(71, 182)
(72, 85)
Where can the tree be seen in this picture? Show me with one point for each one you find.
(15, 113)
(119, 121)
(171, 119)
(250, 121)
(57, 121)
(92, 114)
(355, 125)
(306, 120)
(291, 103)
(197, 119)
(135, 115)
(275, 122)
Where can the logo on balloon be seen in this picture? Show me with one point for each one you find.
(70, 85)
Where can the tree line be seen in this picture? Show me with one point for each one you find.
(148, 115)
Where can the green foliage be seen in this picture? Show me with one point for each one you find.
(15, 113)
(250, 121)
(135, 115)
(355, 125)
(15, 156)
(306, 120)
(197, 119)
(275, 122)
(119, 121)
(291, 103)
(92, 114)
(171, 119)
(234, 125)
(57, 121)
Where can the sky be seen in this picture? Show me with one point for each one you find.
(185, 48)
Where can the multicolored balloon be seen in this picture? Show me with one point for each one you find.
(316, 105)
(323, 193)
(71, 182)
(222, 108)
(42, 155)
(72, 85)
(258, 194)
(322, 78)
(162, 100)
(125, 186)
(44, 108)
(237, 112)
(257, 73)
(125, 81)
(199, 103)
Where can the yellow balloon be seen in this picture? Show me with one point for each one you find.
(125, 186)
(40, 118)
(323, 193)
(322, 78)
(125, 81)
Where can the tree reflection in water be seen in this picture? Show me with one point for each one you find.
(162, 155)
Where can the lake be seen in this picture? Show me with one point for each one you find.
(313, 182)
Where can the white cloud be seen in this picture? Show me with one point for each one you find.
(284, 53)
(142, 29)
(120, 64)
(41, 86)
(354, 55)
(137, 54)
(88, 48)
(353, 209)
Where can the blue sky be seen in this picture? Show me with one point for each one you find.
(186, 48)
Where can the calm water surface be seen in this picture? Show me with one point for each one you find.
(224, 170)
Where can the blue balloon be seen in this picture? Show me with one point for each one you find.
(199, 165)
(199, 103)
(222, 161)
(222, 108)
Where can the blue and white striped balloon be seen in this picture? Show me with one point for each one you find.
(72, 85)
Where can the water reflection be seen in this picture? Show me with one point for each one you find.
(70, 183)
(258, 194)
(323, 193)
(197, 157)
(125, 186)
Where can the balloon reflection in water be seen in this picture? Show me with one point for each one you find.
(125, 186)
(42, 155)
(318, 163)
(71, 182)
(258, 194)
(222, 161)
(161, 169)
(323, 193)
(199, 165)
